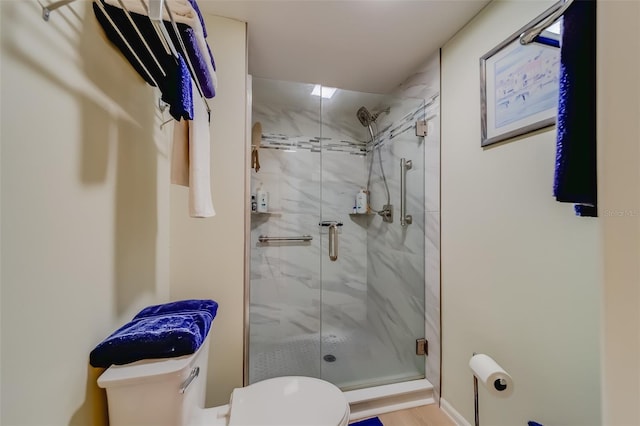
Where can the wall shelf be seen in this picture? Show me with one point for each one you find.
(362, 219)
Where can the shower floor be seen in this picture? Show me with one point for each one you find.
(354, 359)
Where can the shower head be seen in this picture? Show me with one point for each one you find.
(366, 118)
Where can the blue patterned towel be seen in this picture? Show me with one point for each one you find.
(575, 178)
(189, 305)
(161, 331)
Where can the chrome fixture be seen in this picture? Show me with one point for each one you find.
(386, 213)
(192, 376)
(265, 239)
(333, 237)
(421, 128)
(329, 223)
(422, 347)
(333, 242)
(368, 120)
(405, 165)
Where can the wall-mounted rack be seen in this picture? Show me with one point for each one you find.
(161, 16)
(46, 10)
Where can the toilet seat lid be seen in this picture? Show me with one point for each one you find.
(290, 400)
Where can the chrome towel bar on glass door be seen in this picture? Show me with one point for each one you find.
(265, 239)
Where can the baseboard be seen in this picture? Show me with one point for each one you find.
(453, 414)
(384, 399)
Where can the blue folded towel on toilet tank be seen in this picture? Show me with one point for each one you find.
(205, 305)
(160, 331)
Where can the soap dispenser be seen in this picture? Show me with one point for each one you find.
(263, 199)
(361, 202)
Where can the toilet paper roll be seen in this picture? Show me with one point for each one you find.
(491, 375)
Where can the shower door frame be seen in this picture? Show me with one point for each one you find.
(247, 272)
(394, 131)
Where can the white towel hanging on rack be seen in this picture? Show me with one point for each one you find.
(191, 162)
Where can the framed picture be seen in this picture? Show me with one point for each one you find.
(519, 85)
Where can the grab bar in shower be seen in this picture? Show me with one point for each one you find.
(405, 219)
(265, 239)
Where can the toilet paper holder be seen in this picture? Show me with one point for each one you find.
(476, 410)
(499, 384)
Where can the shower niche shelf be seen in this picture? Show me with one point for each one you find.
(361, 219)
(266, 214)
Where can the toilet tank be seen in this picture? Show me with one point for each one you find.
(157, 391)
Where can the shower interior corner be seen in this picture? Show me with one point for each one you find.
(354, 320)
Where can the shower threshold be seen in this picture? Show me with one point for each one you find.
(376, 400)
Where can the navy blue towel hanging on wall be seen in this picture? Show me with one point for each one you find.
(575, 175)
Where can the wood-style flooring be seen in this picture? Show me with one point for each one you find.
(428, 415)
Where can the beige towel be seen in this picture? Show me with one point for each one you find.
(180, 153)
(256, 139)
(191, 162)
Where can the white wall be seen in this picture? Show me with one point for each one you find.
(619, 199)
(85, 201)
(207, 255)
(520, 273)
(85, 210)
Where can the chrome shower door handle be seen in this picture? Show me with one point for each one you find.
(405, 219)
(333, 242)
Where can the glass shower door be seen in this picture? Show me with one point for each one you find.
(336, 293)
(284, 309)
(372, 267)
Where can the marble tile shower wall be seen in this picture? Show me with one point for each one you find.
(286, 278)
(344, 282)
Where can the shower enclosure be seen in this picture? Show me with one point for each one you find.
(334, 293)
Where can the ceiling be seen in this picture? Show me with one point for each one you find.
(363, 45)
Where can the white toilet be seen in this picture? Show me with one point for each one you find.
(171, 391)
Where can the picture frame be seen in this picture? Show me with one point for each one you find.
(519, 85)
